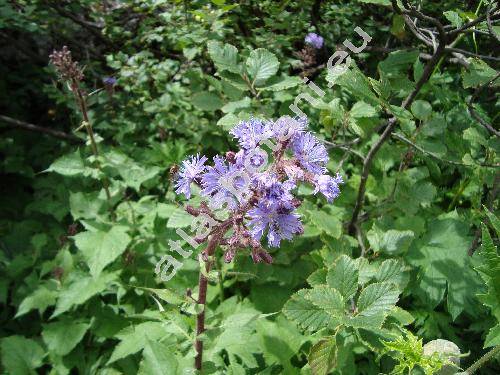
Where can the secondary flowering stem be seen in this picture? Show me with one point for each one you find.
(82, 104)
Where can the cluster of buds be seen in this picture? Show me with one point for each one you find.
(67, 68)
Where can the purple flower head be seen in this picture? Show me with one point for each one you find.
(257, 187)
(280, 223)
(310, 153)
(314, 40)
(109, 81)
(328, 186)
(224, 183)
(190, 171)
(251, 132)
(286, 127)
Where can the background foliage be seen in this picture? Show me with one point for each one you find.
(77, 283)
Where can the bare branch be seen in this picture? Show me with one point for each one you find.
(472, 111)
(39, 129)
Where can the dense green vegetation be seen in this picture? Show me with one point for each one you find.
(405, 255)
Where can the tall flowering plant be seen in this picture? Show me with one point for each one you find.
(251, 194)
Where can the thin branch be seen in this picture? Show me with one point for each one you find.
(431, 64)
(472, 111)
(468, 25)
(488, 24)
(39, 129)
(433, 155)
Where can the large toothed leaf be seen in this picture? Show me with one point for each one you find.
(377, 298)
(322, 357)
(343, 276)
(101, 248)
(20, 356)
(261, 65)
(391, 271)
(225, 57)
(327, 298)
(62, 337)
(305, 313)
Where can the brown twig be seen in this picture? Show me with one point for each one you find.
(387, 132)
(472, 111)
(39, 129)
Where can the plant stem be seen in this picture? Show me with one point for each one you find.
(88, 127)
(481, 361)
(202, 299)
(387, 132)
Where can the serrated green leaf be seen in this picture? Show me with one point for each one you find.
(261, 65)
(305, 313)
(81, 288)
(135, 338)
(101, 248)
(377, 298)
(62, 337)
(327, 298)
(327, 223)
(206, 101)
(391, 271)
(20, 356)
(158, 360)
(40, 299)
(68, 165)
(322, 357)
(421, 109)
(343, 276)
(477, 73)
(225, 57)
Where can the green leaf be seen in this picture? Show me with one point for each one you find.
(421, 109)
(40, 299)
(85, 205)
(391, 242)
(391, 271)
(261, 65)
(343, 276)
(206, 101)
(362, 109)
(81, 288)
(377, 298)
(495, 222)
(224, 57)
(444, 265)
(398, 62)
(101, 248)
(322, 357)
(135, 338)
(354, 81)
(493, 337)
(377, 2)
(327, 298)
(234, 106)
(305, 313)
(158, 360)
(68, 165)
(62, 337)
(179, 219)
(327, 223)
(20, 355)
(135, 175)
(477, 73)
(281, 83)
(454, 18)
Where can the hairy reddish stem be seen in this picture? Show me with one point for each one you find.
(202, 299)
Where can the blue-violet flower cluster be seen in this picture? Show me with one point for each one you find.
(258, 188)
(314, 40)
